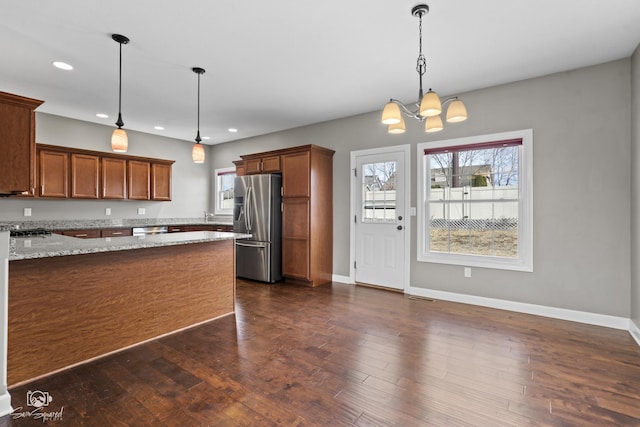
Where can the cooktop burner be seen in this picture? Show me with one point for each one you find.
(34, 232)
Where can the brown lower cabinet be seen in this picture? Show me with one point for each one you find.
(82, 234)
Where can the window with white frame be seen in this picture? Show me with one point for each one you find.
(475, 201)
(224, 190)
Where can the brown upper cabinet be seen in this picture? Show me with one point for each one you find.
(85, 176)
(254, 164)
(53, 173)
(239, 167)
(160, 181)
(70, 172)
(114, 178)
(138, 173)
(17, 144)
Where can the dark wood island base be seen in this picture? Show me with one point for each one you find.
(69, 309)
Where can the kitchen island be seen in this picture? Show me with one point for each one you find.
(72, 300)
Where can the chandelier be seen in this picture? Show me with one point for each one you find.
(429, 105)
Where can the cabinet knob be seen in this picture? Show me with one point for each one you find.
(399, 227)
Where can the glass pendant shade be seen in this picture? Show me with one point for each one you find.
(433, 124)
(391, 114)
(430, 104)
(197, 153)
(397, 127)
(456, 112)
(119, 141)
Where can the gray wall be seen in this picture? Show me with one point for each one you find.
(190, 182)
(581, 122)
(635, 187)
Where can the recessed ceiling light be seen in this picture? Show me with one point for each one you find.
(158, 128)
(206, 137)
(62, 65)
(102, 115)
(234, 130)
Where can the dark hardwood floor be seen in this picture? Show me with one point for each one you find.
(341, 356)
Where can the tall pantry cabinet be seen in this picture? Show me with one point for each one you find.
(307, 211)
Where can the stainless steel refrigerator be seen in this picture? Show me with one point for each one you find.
(257, 211)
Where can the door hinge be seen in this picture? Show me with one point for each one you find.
(354, 264)
(355, 172)
(355, 219)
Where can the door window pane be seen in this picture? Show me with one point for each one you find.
(379, 192)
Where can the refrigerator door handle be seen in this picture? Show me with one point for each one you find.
(248, 220)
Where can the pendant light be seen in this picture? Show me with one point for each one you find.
(197, 153)
(429, 105)
(119, 140)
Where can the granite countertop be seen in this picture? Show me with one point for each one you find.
(57, 245)
(113, 223)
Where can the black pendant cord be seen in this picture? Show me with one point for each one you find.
(198, 134)
(120, 123)
(120, 39)
(198, 71)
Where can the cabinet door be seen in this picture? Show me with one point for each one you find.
(53, 174)
(116, 232)
(139, 182)
(240, 171)
(83, 234)
(252, 166)
(296, 175)
(17, 137)
(85, 171)
(295, 238)
(160, 182)
(271, 164)
(114, 178)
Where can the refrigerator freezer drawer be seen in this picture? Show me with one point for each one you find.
(254, 261)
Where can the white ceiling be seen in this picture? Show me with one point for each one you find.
(279, 64)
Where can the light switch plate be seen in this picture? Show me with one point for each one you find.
(27, 211)
(413, 211)
(142, 211)
(107, 211)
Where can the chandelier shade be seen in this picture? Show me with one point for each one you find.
(398, 127)
(391, 114)
(456, 112)
(429, 106)
(433, 124)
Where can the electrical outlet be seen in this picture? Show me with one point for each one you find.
(142, 211)
(27, 211)
(467, 272)
(413, 211)
(107, 211)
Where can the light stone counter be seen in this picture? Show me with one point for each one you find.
(21, 248)
(62, 224)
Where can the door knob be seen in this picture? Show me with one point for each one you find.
(399, 227)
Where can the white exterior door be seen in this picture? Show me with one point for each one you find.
(380, 220)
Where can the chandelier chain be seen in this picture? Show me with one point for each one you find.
(421, 66)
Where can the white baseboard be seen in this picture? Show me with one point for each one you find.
(343, 279)
(634, 331)
(5, 404)
(539, 310)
